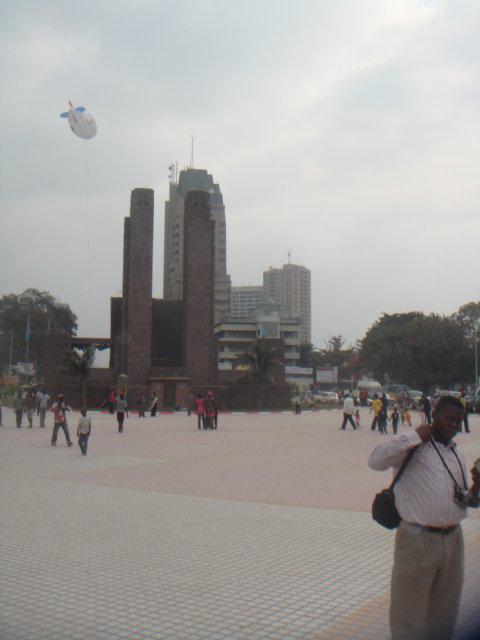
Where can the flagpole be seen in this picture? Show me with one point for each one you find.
(11, 351)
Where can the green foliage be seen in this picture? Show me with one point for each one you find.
(468, 318)
(416, 349)
(45, 312)
(261, 361)
(307, 354)
(78, 365)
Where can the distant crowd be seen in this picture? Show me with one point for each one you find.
(32, 400)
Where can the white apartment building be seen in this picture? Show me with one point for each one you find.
(290, 286)
(236, 334)
(245, 300)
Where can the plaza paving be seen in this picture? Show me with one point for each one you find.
(259, 530)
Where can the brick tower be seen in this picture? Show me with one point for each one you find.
(136, 339)
(198, 288)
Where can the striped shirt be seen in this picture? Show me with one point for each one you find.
(424, 493)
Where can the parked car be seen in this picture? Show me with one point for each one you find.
(325, 396)
(415, 398)
(396, 391)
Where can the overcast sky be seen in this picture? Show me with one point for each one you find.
(344, 131)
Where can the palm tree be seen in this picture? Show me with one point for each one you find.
(261, 362)
(78, 365)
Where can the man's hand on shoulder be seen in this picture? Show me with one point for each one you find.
(424, 432)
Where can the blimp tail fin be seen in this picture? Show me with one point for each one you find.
(64, 114)
(79, 109)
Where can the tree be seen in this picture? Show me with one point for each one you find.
(261, 361)
(307, 354)
(416, 349)
(47, 315)
(468, 318)
(78, 365)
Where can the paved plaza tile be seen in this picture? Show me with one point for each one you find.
(259, 530)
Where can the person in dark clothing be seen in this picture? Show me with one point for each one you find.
(394, 418)
(427, 408)
(382, 421)
(154, 406)
(463, 400)
(121, 407)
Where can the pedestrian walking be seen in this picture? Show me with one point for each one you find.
(83, 431)
(154, 405)
(30, 403)
(408, 417)
(427, 408)
(60, 409)
(298, 408)
(383, 417)
(463, 400)
(431, 497)
(122, 410)
(42, 398)
(357, 418)
(19, 405)
(376, 408)
(348, 411)
(394, 419)
(200, 411)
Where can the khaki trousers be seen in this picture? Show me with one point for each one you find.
(427, 580)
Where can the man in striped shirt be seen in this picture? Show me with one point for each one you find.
(427, 571)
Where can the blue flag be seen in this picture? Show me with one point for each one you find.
(28, 333)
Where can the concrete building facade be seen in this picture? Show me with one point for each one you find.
(246, 300)
(195, 180)
(271, 322)
(290, 286)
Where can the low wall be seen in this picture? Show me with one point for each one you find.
(244, 397)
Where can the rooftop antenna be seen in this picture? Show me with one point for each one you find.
(191, 154)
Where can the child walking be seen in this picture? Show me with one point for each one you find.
(83, 431)
(394, 419)
(121, 411)
(357, 418)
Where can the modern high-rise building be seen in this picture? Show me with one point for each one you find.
(290, 286)
(194, 180)
(245, 300)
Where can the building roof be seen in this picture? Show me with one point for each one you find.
(198, 180)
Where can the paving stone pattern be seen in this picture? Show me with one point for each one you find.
(86, 554)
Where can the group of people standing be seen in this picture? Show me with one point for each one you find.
(398, 414)
(206, 410)
(28, 402)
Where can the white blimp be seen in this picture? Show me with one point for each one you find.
(81, 122)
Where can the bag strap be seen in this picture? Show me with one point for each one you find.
(446, 466)
(402, 468)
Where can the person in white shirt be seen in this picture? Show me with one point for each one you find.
(431, 498)
(348, 411)
(83, 431)
(42, 398)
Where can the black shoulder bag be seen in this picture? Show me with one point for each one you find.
(384, 510)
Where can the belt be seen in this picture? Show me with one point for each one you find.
(443, 530)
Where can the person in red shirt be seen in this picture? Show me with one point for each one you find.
(200, 410)
(210, 411)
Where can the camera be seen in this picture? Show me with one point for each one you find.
(461, 497)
